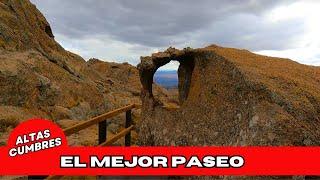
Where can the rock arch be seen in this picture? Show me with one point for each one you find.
(150, 64)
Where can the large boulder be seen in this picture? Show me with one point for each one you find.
(232, 97)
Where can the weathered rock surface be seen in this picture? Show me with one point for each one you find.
(38, 78)
(232, 97)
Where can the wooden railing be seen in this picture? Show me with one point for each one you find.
(102, 126)
(101, 120)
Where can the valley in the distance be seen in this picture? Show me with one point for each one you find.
(167, 78)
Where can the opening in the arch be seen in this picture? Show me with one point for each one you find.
(167, 77)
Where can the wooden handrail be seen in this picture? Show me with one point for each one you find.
(108, 142)
(76, 128)
(138, 106)
(117, 136)
(98, 119)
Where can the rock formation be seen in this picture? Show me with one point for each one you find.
(227, 96)
(232, 97)
(38, 78)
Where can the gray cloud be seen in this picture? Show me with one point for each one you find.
(142, 26)
(252, 32)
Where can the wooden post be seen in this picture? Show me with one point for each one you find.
(128, 124)
(102, 132)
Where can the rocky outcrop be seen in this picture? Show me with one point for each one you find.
(149, 66)
(38, 78)
(23, 27)
(232, 97)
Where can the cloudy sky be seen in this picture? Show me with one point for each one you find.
(124, 30)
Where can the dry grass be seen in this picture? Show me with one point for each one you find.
(279, 74)
(8, 122)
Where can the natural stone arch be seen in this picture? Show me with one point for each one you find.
(150, 64)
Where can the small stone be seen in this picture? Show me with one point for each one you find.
(239, 116)
(254, 121)
(271, 136)
(307, 142)
(43, 81)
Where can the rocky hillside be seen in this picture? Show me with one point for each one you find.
(38, 78)
(232, 97)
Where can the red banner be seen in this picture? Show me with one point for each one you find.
(39, 147)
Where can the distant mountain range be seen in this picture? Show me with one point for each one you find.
(167, 79)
